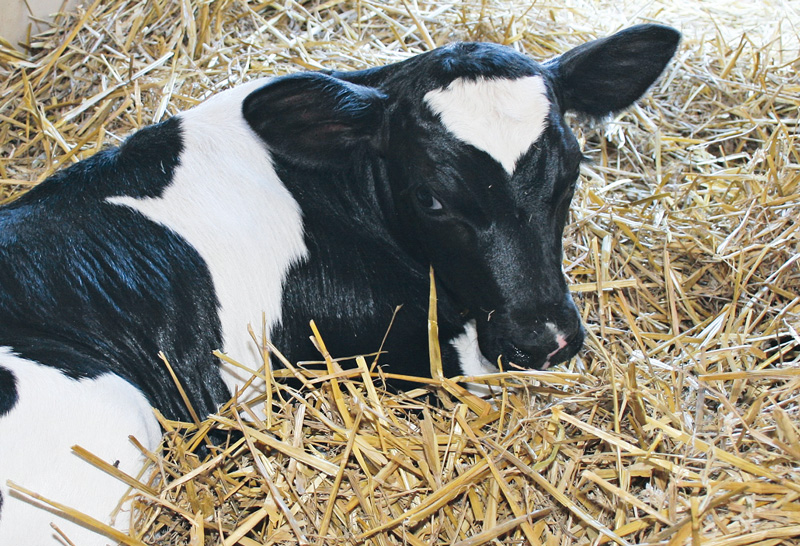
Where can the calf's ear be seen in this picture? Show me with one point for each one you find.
(609, 74)
(314, 119)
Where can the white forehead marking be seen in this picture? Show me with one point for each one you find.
(502, 117)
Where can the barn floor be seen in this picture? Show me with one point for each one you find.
(680, 421)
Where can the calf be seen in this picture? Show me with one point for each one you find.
(322, 195)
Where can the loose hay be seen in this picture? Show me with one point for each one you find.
(679, 423)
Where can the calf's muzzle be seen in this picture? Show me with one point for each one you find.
(532, 338)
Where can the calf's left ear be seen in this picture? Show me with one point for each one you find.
(314, 119)
(609, 74)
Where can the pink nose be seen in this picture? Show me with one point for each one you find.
(561, 341)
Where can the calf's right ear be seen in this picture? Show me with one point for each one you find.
(609, 74)
(314, 119)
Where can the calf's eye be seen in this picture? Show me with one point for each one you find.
(426, 199)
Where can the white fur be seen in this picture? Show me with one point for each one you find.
(472, 361)
(52, 414)
(227, 202)
(502, 117)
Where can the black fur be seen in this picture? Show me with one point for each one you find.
(495, 244)
(356, 276)
(8, 392)
(320, 134)
(91, 288)
(609, 74)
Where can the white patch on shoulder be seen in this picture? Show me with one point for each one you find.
(472, 361)
(227, 202)
(502, 117)
(52, 414)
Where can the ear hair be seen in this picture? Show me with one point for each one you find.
(315, 119)
(610, 74)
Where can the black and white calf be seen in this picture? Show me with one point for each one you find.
(321, 195)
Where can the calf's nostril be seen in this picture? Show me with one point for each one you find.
(560, 337)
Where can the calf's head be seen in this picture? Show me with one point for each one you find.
(471, 166)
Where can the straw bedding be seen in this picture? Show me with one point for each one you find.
(679, 422)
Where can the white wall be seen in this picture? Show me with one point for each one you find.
(15, 17)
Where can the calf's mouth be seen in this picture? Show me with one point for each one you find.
(536, 348)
